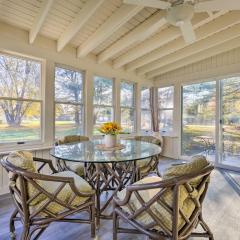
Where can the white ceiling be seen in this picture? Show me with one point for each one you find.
(133, 37)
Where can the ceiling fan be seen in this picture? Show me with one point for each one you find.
(180, 12)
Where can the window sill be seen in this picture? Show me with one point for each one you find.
(28, 147)
(168, 134)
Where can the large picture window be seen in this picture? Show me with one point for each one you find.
(68, 102)
(127, 103)
(166, 105)
(103, 102)
(20, 99)
(146, 122)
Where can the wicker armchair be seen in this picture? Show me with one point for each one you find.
(77, 167)
(144, 167)
(168, 208)
(42, 199)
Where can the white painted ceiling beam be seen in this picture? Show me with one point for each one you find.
(81, 18)
(161, 39)
(207, 43)
(154, 42)
(214, 29)
(218, 22)
(112, 24)
(138, 34)
(44, 9)
(218, 49)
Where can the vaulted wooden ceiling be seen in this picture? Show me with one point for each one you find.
(136, 38)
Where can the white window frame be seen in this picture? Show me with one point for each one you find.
(133, 107)
(103, 105)
(162, 109)
(7, 146)
(145, 109)
(81, 104)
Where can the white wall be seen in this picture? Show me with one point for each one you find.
(216, 67)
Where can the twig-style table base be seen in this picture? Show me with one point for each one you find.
(107, 172)
(109, 178)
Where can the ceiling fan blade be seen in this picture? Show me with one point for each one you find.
(150, 3)
(188, 32)
(217, 5)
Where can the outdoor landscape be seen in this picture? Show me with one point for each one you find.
(21, 106)
(199, 118)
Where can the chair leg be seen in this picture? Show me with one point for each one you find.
(25, 233)
(11, 224)
(115, 225)
(93, 226)
(206, 228)
(40, 230)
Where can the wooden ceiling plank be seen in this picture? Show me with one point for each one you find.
(140, 33)
(159, 40)
(161, 55)
(82, 17)
(111, 25)
(218, 49)
(45, 7)
(177, 43)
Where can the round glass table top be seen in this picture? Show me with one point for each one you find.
(88, 152)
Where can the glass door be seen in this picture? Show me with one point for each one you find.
(230, 122)
(199, 119)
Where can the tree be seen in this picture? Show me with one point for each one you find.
(102, 96)
(68, 88)
(19, 79)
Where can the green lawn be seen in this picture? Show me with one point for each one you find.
(191, 144)
(26, 132)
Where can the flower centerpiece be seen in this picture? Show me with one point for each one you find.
(110, 131)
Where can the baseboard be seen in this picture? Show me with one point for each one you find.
(5, 196)
(4, 191)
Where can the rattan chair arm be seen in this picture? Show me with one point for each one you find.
(79, 193)
(139, 187)
(46, 161)
(60, 179)
(167, 183)
(43, 177)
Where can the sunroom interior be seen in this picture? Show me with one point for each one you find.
(129, 102)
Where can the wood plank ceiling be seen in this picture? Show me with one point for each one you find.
(135, 38)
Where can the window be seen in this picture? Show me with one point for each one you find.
(198, 118)
(146, 121)
(165, 103)
(20, 99)
(69, 106)
(127, 103)
(103, 102)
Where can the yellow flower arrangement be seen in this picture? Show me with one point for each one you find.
(110, 128)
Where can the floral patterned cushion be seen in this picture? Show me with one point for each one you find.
(195, 165)
(24, 160)
(72, 139)
(75, 167)
(151, 139)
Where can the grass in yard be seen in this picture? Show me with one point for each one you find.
(28, 131)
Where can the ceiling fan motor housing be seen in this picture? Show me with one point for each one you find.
(178, 14)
